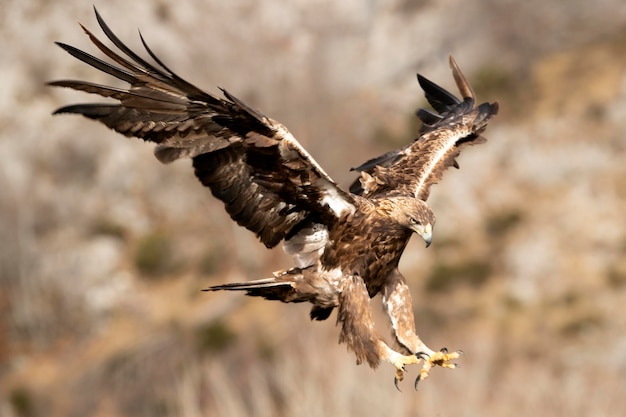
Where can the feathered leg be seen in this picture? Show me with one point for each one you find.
(358, 332)
(399, 307)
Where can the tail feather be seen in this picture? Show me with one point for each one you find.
(249, 285)
(268, 288)
(283, 287)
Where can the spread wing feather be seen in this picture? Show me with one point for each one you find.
(411, 170)
(266, 179)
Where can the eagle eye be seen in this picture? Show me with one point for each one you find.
(413, 220)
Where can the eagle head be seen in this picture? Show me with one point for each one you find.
(415, 215)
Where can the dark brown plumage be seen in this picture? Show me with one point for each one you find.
(346, 245)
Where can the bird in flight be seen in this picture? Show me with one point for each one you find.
(345, 244)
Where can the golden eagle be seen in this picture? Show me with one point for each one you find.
(346, 245)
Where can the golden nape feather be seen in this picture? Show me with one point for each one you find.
(346, 244)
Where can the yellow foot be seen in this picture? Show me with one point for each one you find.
(430, 358)
(441, 358)
(400, 363)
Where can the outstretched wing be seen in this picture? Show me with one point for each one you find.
(413, 169)
(268, 182)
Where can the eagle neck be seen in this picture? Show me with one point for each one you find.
(368, 244)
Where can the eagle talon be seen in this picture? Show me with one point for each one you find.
(395, 382)
(440, 358)
(417, 380)
(422, 355)
(398, 377)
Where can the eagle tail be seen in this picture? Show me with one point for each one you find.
(249, 285)
(268, 288)
(281, 288)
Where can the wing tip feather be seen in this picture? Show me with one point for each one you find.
(466, 90)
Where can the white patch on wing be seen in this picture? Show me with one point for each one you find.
(307, 245)
(445, 146)
(336, 202)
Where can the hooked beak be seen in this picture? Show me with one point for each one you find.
(425, 232)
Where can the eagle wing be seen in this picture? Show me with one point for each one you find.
(268, 182)
(411, 170)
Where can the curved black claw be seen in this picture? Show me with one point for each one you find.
(417, 380)
(422, 355)
(443, 350)
(395, 382)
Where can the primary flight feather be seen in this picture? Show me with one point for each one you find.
(346, 244)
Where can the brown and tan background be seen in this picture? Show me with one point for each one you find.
(103, 251)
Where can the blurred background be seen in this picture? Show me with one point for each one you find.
(104, 251)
